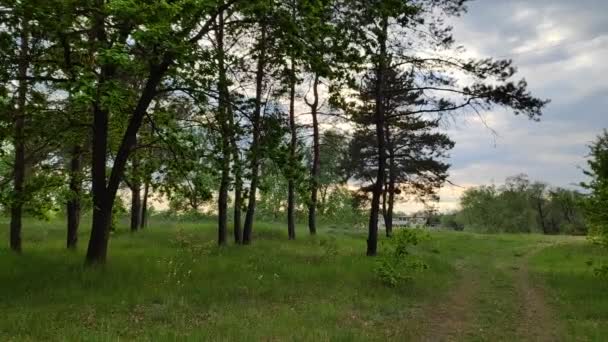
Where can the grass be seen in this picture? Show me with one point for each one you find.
(580, 297)
(171, 282)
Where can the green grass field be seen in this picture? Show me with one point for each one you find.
(170, 282)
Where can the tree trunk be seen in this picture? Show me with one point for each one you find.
(73, 204)
(541, 217)
(222, 231)
(388, 217)
(316, 159)
(19, 139)
(224, 126)
(102, 210)
(238, 183)
(135, 195)
(255, 148)
(391, 204)
(291, 198)
(372, 238)
(143, 221)
(385, 208)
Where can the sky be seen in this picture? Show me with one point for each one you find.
(561, 48)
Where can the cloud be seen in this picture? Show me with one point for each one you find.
(560, 47)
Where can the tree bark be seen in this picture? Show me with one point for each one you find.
(224, 126)
(102, 209)
(388, 217)
(238, 181)
(19, 139)
(255, 148)
(73, 203)
(143, 221)
(372, 238)
(385, 208)
(391, 204)
(316, 159)
(135, 195)
(222, 231)
(291, 197)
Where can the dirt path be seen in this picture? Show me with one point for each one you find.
(538, 320)
(450, 318)
(456, 317)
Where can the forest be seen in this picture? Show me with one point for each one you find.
(225, 169)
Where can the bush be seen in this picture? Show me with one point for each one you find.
(398, 265)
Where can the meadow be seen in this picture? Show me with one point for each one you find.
(171, 282)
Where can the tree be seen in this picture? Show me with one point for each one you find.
(596, 203)
(414, 148)
(225, 129)
(153, 52)
(261, 48)
(333, 155)
(268, 54)
(28, 114)
(385, 30)
(324, 52)
(19, 166)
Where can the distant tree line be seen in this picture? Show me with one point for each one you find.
(519, 206)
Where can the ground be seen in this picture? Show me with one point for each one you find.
(171, 282)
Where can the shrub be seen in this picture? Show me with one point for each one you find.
(398, 265)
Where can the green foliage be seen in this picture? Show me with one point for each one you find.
(521, 206)
(596, 203)
(397, 265)
(118, 210)
(340, 205)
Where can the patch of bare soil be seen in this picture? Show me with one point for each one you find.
(450, 318)
(537, 322)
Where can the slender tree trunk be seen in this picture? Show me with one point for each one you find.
(225, 128)
(291, 198)
(143, 221)
(135, 195)
(541, 216)
(73, 203)
(391, 205)
(238, 182)
(222, 231)
(388, 217)
(385, 208)
(255, 148)
(316, 159)
(372, 238)
(19, 139)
